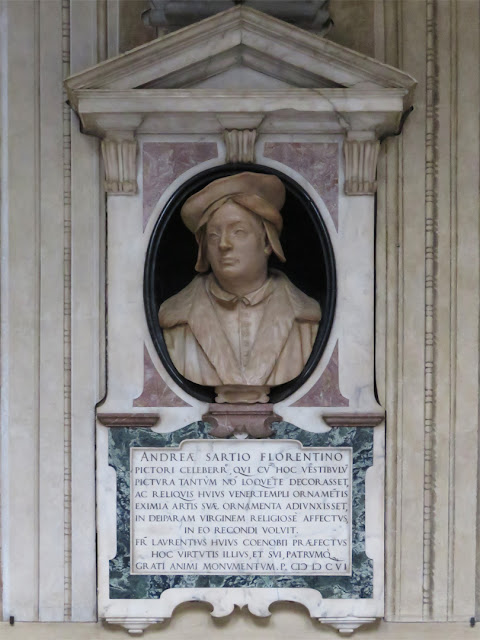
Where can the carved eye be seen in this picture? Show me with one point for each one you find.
(239, 232)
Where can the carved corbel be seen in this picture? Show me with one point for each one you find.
(361, 154)
(120, 160)
(240, 145)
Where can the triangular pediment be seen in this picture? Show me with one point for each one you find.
(244, 45)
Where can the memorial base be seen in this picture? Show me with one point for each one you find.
(252, 420)
(137, 625)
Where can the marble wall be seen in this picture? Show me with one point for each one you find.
(52, 305)
(52, 288)
(427, 312)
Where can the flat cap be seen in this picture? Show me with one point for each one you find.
(262, 193)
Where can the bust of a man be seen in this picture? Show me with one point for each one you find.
(239, 326)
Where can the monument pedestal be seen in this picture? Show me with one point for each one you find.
(254, 420)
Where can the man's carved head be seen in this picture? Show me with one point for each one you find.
(240, 206)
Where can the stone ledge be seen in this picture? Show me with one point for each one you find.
(195, 623)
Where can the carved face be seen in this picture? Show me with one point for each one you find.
(237, 248)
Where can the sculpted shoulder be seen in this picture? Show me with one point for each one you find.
(176, 310)
(305, 308)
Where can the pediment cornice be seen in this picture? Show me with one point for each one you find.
(238, 36)
(157, 88)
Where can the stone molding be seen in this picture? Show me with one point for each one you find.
(120, 161)
(150, 111)
(137, 625)
(332, 89)
(141, 92)
(239, 36)
(192, 623)
(346, 419)
(67, 321)
(432, 313)
(134, 626)
(346, 626)
(131, 420)
(360, 166)
(240, 145)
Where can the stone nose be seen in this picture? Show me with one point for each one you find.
(225, 241)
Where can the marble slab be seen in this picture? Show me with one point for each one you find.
(353, 580)
(247, 507)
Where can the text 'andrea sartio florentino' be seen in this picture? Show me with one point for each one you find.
(241, 507)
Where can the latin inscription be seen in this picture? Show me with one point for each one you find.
(241, 507)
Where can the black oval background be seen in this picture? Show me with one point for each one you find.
(172, 253)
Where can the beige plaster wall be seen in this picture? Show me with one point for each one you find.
(192, 623)
(353, 24)
(132, 30)
(51, 305)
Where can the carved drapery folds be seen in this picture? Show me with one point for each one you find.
(361, 153)
(120, 160)
(240, 145)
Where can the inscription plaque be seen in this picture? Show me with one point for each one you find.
(228, 507)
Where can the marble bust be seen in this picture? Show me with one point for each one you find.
(239, 326)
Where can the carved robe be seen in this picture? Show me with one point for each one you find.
(263, 338)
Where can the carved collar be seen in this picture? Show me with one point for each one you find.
(230, 299)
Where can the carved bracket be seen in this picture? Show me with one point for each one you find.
(240, 145)
(346, 626)
(134, 626)
(360, 166)
(120, 160)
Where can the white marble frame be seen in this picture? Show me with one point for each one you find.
(127, 334)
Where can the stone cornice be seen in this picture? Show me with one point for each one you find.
(137, 93)
(241, 29)
(203, 111)
(131, 420)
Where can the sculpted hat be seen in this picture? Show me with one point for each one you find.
(258, 193)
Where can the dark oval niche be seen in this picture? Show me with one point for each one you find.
(172, 253)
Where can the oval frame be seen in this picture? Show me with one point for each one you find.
(153, 299)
